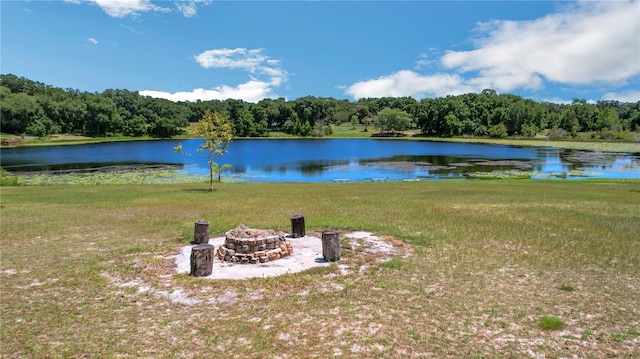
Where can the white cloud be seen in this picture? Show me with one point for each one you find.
(624, 96)
(93, 41)
(409, 83)
(239, 58)
(187, 8)
(190, 8)
(251, 91)
(264, 73)
(122, 8)
(590, 43)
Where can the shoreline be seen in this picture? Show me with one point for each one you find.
(571, 144)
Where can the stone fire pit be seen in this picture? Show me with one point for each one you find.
(250, 246)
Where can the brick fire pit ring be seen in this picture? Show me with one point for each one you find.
(251, 246)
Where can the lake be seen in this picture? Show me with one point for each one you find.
(326, 160)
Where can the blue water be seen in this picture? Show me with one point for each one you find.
(323, 160)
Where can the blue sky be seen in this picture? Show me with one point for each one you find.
(250, 50)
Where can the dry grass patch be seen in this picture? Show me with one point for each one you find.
(84, 272)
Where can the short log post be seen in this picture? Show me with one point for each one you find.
(201, 232)
(331, 245)
(297, 226)
(202, 260)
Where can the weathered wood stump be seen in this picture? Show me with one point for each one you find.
(202, 260)
(201, 232)
(297, 226)
(331, 245)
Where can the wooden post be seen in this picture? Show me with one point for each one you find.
(331, 245)
(297, 226)
(202, 260)
(201, 232)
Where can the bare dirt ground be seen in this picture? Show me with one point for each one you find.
(307, 253)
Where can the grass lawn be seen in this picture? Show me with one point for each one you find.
(347, 130)
(497, 269)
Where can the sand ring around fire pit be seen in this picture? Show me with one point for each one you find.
(307, 254)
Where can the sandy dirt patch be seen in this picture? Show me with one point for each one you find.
(307, 253)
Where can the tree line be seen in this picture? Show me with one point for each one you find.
(34, 108)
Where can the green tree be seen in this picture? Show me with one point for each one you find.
(354, 121)
(528, 130)
(586, 114)
(452, 125)
(608, 124)
(164, 128)
(18, 112)
(242, 119)
(102, 117)
(608, 119)
(498, 131)
(569, 122)
(135, 127)
(43, 127)
(634, 120)
(392, 120)
(73, 110)
(217, 133)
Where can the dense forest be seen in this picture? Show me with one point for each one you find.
(33, 108)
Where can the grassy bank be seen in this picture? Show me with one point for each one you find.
(498, 269)
(67, 139)
(598, 146)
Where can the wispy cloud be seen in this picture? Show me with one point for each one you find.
(93, 41)
(190, 8)
(265, 74)
(589, 43)
(427, 60)
(131, 29)
(122, 8)
(238, 58)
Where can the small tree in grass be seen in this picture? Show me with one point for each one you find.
(218, 170)
(217, 134)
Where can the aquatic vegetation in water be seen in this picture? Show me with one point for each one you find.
(141, 176)
(500, 175)
(515, 174)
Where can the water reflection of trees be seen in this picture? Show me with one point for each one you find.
(446, 165)
(597, 159)
(316, 168)
(280, 169)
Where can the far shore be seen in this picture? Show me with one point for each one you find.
(573, 144)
